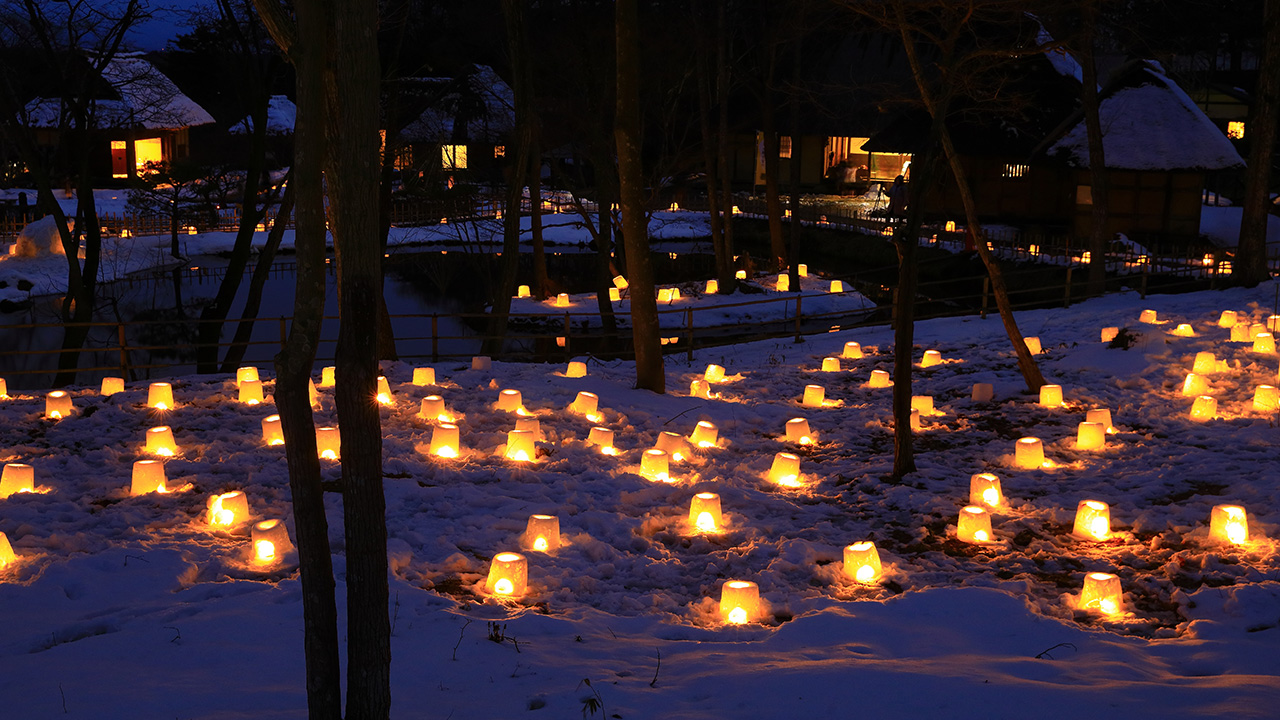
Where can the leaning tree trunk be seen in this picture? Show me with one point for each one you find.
(261, 271)
(81, 297)
(1251, 254)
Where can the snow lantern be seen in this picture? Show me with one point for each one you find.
(576, 369)
(1091, 436)
(17, 478)
(247, 372)
(148, 477)
(1229, 524)
(57, 405)
(783, 284)
(916, 426)
(227, 509)
(619, 282)
(433, 409)
(837, 286)
(423, 376)
(444, 440)
(1051, 396)
(1109, 334)
(705, 434)
(739, 601)
(6, 552)
(785, 470)
(481, 362)
(586, 404)
(532, 425)
(1266, 398)
(542, 533)
(272, 434)
(852, 350)
(1033, 345)
(160, 441)
(1227, 319)
(510, 401)
(831, 364)
(522, 291)
(1264, 343)
(1101, 593)
(664, 295)
(880, 379)
(862, 561)
(384, 396)
(328, 442)
(1147, 316)
(110, 386)
(813, 396)
(1194, 385)
(270, 541)
(520, 446)
(1255, 330)
(984, 491)
(1102, 416)
(802, 270)
(931, 358)
(713, 287)
(508, 575)
(615, 295)
(714, 374)
(798, 431)
(1183, 330)
(4, 388)
(160, 396)
(251, 392)
(1273, 323)
(974, 525)
(1204, 408)
(326, 376)
(562, 300)
(674, 445)
(1093, 520)
(704, 512)
(923, 403)
(1240, 332)
(1029, 453)
(1205, 363)
(602, 437)
(700, 389)
(982, 392)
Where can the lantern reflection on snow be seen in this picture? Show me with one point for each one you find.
(1266, 398)
(110, 386)
(713, 374)
(1033, 345)
(509, 400)
(813, 396)
(520, 446)
(508, 575)
(432, 408)
(831, 364)
(444, 440)
(931, 358)
(785, 470)
(227, 509)
(251, 392)
(576, 369)
(654, 465)
(1205, 363)
(272, 434)
(1204, 408)
(160, 396)
(1183, 330)
(984, 491)
(704, 512)
(326, 376)
(852, 350)
(739, 601)
(423, 376)
(542, 533)
(1029, 453)
(1102, 416)
(160, 441)
(270, 541)
(673, 444)
(602, 437)
(797, 430)
(328, 442)
(862, 561)
(6, 552)
(880, 379)
(1109, 333)
(247, 372)
(57, 405)
(1091, 436)
(1227, 319)
(1147, 316)
(1229, 524)
(148, 477)
(17, 478)
(974, 525)
(1051, 396)
(1264, 343)
(705, 434)
(1093, 520)
(982, 392)
(1101, 593)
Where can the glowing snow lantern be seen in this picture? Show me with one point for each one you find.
(586, 404)
(1093, 520)
(424, 376)
(798, 431)
(831, 364)
(664, 295)
(1109, 334)
(1264, 343)
(922, 403)
(1183, 330)
(700, 389)
(1029, 453)
(160, 441)
(247, 372)
(1091, 436)
(802, 270)
(522, 291)
(110, 386)
(444, 440)
(1266, 398)
(1101, 593)
(531, 425)
(619, 282)
(740, 275)
(880, 379)
(510, 401)
(615, 295)
(984, 491)
(481, 362)
(931, 358)
(739, 601)
(1229, 524)
(1194, 385)
(160, 396)
(813, 396)
(326, 376)
(704, 434)
(1147, 316)
(270, 541)
(950, 226)
(1051, 396)
(6, 551)
(384, 396)
(148, 477)
(328, 442)
(974, 525)
(251, 392)
(272, 434)
(714, 374)
(576, 369)
(4, 387)
(674, 444)
(542, 533)
(1240, 332)
(1273, 323)
(562, 300)
(1102, 416)
(783, 284)
(785, 470)
(1033, 345)
(862, 562)
(704, 512)
(982, 392)
(1204, 408)
(57, 405)
(713, 287)
(915, 423)
(1205, 363)
(602, 437)
(1255, 330)
(852, 350)
(227, 509)
(508, 575)
(17, 478)
(1227, 319)
(655, 465)
(520, 446)
(433, 409)
(837, 286)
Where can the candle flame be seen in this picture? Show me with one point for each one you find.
(705, 444)
(865, 574)
(1108, 606)
(608, 450)
(705, 522)
(504, 586)
(789, 480)
(264, 551)
(252, 402)
(991, 497)
(446, 451)
(540, 544)
(981, 535)
(55, 415)
(1099, 527)
(161, 406)
(383, 398)
(329, 455)
(1236, 532)
(277, 441)
(164, 451)
(520, 455)
(737, 616)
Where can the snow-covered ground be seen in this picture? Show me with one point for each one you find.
(132, 607)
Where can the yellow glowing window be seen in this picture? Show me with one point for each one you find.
(784, 146)
(403, 159)
(1235, 129)
(453, 157)
(1016, 171)
(149, 150)
(499, 151)
(119, 159)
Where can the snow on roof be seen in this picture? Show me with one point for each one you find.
(482, 101)
(1058, 57)
(281, 115)
(147, 99)
(1149, 123)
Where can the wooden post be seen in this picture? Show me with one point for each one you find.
(986, 289)
(124, 352)
(435, 342)
(688, 322)
(1066, 298)
(1142, 291)
(799, 338)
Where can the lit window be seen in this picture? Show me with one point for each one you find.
(149, 150)
(499, 151)
(119, 159)
(453, 157)
(784, 146)
(1235, 129)
(1016, 171)
(403, 158)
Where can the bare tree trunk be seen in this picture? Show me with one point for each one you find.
(723, 35)
(535, 219)
(252, 303)
(793, 228)
(81, 297)
(1251, 255)
(724, 261)
(1097, 158)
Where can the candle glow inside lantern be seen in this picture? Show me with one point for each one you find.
(1266, 398)
(1093, 520)
(931, 358)
(576, 369)
(1051, 396)
(1033, 345)
(1204, 408)
(444, 440)
(1183, 330)
(542, 533)
(6, 552)
(1101, 416)
(247, 372)
(704, 512)
(984, 491)
(785, 470)
(227, 509)
(522, 291)
(110, 386)
(1229, 524)
(326, 376)
(1205, 363)
(481, 362)
(655, 465)
(922, 403)
(797, 430)
(602, 437)
(510, 401)
(1240, 332)
(739, 601)
(880, 379)
(982, 392)
(705, 434)
(1227, 319)
(974, 525)
(1264, 343)
(615, 295)
(384, 396)
(160, 396)
(1091, 436)
(1029, 453)
(148, 477)
(713, 287)
(508, 575)
(586, 404)
(251, 392)
(272, 433)
(520, 447)
(714, 374)
(673, 444)
(423, 376)
(57, 405)
(433, 408)
(328, 442)
(813, 396)
(783, 284)
(837, 286)
(1101, 593)
(160, 441)
(852, 350)
(270, 541)
(831, 364)
(1109, 334)
(862, 562)
(17, 478)
(1194, 385)
(1147, 316)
